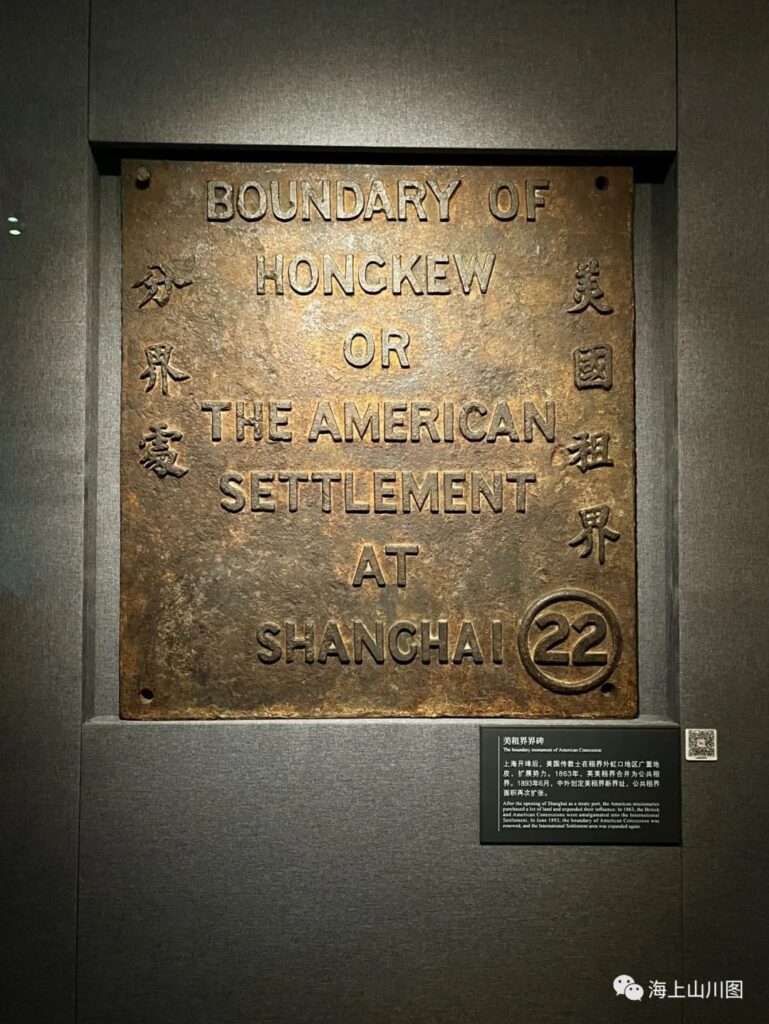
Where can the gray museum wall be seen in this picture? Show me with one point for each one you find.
(331, 871)
(46, 179)
(723, 383)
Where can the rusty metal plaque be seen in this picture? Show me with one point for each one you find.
(377, 441)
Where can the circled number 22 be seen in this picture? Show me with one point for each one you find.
(556, 628)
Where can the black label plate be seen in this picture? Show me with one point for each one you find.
(569, 784)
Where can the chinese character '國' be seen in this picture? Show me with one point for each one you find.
(590, 451)
(159, 282)
(588, 292)
(158, 454)
(594, 521)
(593, 367)
(159, 359)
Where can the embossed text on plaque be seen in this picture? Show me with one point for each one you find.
(377, 441)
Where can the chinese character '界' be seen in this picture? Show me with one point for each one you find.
(594, 521)
(159, 360)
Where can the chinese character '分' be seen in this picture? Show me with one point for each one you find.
(590, 451)
(593, 367)
(588, 292)
(159, 456)
(159, 282)
(594, 521)
(159, 359)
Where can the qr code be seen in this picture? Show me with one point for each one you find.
(701, 745)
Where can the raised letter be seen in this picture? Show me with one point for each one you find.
(439, 643)
(378, 202)
(216, 409)
(235, 500)
(520, 480)
(400, 551)
(220, 205)
(436, 275)
(533, 199)
(416, 201)
(467, 645)
(262, 274)
(265, 637)
(443, 195)
(532, 417)
(324, 422)
(332, 645)
(467, 271)
(511, 206)
(362, 638)
(293, 274)
(258, 493)
(331, 273)
(278, 420)
(368, 568)
(321, 203)
(342, 187)
(242, 421)
(398, 342)
(305, 643)
(261, 205)
(368, 348)
(397, 630)
(401, 274)
(278, 212)
(368, 286)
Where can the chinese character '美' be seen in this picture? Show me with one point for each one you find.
(588, 292)
(594, 521)
(159, 456)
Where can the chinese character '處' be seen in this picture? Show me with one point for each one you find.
(159, 456)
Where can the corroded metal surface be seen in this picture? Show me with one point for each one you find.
(377, 441)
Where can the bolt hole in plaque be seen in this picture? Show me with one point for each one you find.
(377, 441)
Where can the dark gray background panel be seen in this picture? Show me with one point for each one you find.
(463, 74)
(45, 180)
(331, 872)
(723, 383)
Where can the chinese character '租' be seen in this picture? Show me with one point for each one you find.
(159, 456)
(594, 521)
(159, 282)
(159, 359)
(592, 367)
(590, 451)
(588, 292)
